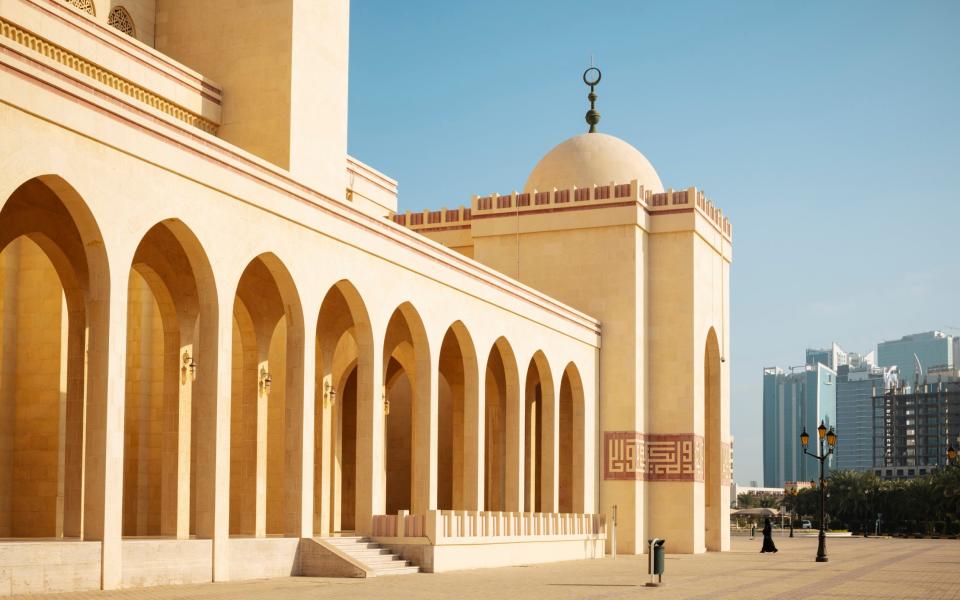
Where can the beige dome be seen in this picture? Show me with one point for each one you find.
(592, 159)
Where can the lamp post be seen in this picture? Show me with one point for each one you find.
(831, 439)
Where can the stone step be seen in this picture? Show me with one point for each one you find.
(371, 553)
(412, 570)
(373, 556)
(383, 559)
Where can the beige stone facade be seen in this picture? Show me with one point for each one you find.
(220, 341)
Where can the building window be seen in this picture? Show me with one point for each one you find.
(120, 19)
(84, 5)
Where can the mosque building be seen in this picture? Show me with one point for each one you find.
(225, 355)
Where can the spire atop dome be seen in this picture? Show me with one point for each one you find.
(592, 77)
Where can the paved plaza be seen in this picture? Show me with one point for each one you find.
(858, 568)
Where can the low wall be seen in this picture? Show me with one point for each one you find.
(475, 553)
(32, 567)
(260, 558)
(147, 562)
(446, 540)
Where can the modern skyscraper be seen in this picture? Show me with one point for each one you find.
(833, 357)
(931, 349)
(792, 402)
(857, 383)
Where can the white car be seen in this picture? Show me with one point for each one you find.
(805, 524)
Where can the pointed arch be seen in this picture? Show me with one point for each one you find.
(55, 280)
(541, 436)
(275, 405)
(503, 426)
(170, 398)
(457, 416)
(572, 482)
(344, 363)
(410, 425)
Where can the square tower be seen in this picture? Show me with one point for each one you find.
(594, 228)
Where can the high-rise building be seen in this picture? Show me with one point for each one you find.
(930, 349)
(833, 357)
(913, 427)
(857, 383)
(792, 402)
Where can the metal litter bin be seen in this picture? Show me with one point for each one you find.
(656, 560)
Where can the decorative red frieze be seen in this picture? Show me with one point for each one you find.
(633, 456)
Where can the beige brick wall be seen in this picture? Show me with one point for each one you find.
(32, 423)
(143, 429)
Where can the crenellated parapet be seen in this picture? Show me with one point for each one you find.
(538, 202)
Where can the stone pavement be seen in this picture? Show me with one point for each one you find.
(858, 568)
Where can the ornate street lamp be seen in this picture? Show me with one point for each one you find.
(831, 439)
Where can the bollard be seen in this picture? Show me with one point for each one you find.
(613, 540)
(656, 561)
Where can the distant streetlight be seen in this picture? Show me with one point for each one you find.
(831, 439)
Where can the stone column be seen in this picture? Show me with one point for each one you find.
(103, 492)
(550, 449)
(74, 430)
(263, 399)
(423, 496)
(176, 436)
(212, 395)
(474, 434)
(323, 462)
(515, 439)
(371, 481)
(301, 365)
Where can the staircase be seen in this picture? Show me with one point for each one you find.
(372, 555)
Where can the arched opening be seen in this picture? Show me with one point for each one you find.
(266, 402)
(503, 467)
(571, 442)
(540, 437)
(406, 364)
(171, 329)
(343, 344)
(713, 513)
(456, 394)
(52, 271)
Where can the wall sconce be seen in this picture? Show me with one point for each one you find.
(189, 366)
(386, 403)
(329, 394)
(265, 380)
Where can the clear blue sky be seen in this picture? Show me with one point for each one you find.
(828, 131)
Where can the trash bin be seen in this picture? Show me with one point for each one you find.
(656, 562)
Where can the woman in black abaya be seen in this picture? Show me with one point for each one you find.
(768, 545)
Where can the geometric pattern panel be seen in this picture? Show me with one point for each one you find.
(634, 456)
(84, 5)
(120, 19)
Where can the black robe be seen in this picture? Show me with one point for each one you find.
(768, 545)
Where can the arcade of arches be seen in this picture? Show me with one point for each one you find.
(450, 442)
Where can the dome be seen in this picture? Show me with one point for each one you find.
(592, 159)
